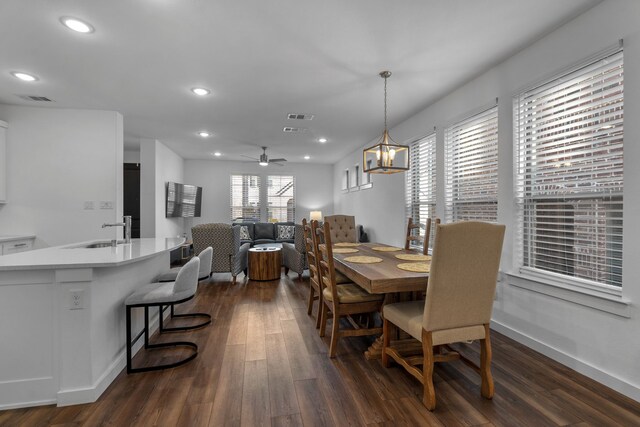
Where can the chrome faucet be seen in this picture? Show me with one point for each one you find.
(127, 227)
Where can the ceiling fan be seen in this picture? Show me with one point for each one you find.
(264, 159)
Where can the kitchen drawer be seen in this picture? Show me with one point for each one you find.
(15, 246)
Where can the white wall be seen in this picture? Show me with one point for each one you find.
(602, 345)
(58, 159)
(131, 156)
(158, 165)
(313, 186)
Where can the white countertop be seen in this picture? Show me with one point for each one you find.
(73, 256)
(8, 238)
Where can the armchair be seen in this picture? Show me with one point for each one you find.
(228, 255)
(294, 254)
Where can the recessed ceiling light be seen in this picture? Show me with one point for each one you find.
(307, 157)
(217, 154)
(24, 76)
(200, 91)
(204, 134)
(322, 140)
(76, 25)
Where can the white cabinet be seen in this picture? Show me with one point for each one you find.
(16, 245)
(3, 161)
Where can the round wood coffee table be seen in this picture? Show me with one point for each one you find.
(265, 263)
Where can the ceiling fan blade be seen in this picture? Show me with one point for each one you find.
(252, 158)
(277, 160)
(273, 163)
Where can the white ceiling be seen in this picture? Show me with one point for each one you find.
(261, 59)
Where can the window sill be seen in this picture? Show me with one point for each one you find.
(608, 303)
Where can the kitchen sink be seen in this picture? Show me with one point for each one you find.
(94, 245)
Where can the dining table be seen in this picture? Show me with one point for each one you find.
(382, 277)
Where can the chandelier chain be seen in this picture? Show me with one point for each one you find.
(385, 103)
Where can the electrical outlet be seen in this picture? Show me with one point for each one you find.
(106, 205)
(88, 205)
(77, 299)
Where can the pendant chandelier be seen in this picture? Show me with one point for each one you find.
(386, 156)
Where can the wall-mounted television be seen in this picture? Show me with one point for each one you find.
(183, 200)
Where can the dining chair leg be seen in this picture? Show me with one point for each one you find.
(385, 343)
(323, 320)
(486, 388)
(320, 305)
(429, 396)
(310, 303)
(335, 333)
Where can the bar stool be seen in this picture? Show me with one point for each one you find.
(159, 295)
(206, 256)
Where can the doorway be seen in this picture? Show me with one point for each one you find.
(131, 202)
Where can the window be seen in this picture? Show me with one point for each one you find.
(345, 180)
(421, 181)
(471, 168)
(245, 197)
(569, 158)
(281, 206)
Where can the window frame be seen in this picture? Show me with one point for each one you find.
(453, 195)
(571, 282)
(250, 181)
(415, 197)
(286, 208)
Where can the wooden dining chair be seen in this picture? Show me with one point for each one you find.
(458, 304)
(315, 289)
(343, 300)
(411, 236)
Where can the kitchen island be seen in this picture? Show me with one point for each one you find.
(62, 317)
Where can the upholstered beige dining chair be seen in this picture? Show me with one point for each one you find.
(343, 228)
(458, 304)
(343, 300)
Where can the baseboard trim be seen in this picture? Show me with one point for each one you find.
(90, 394)
(590, 371)
(27, 404)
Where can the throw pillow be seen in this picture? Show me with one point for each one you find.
(244, 233)
(286, 232)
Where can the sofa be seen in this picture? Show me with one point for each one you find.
(294, 253)
(259, 233)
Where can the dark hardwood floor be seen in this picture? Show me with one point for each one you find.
(262, 362)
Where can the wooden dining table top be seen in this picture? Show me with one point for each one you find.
(382, 277)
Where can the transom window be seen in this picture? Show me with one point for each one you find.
(569, 156)
(471, 168)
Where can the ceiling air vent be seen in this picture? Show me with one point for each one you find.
(296, 116)
(292, 129)
(34, 98)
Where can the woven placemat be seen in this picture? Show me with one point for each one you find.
(386, 248)
(363, 259)
(344, 250)
(414, 257)
(346, 244)
(415, 267)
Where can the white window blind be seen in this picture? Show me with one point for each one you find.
(281, 204)
(471, 168)
(421, 182)
(245, 197)
(569, 134)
